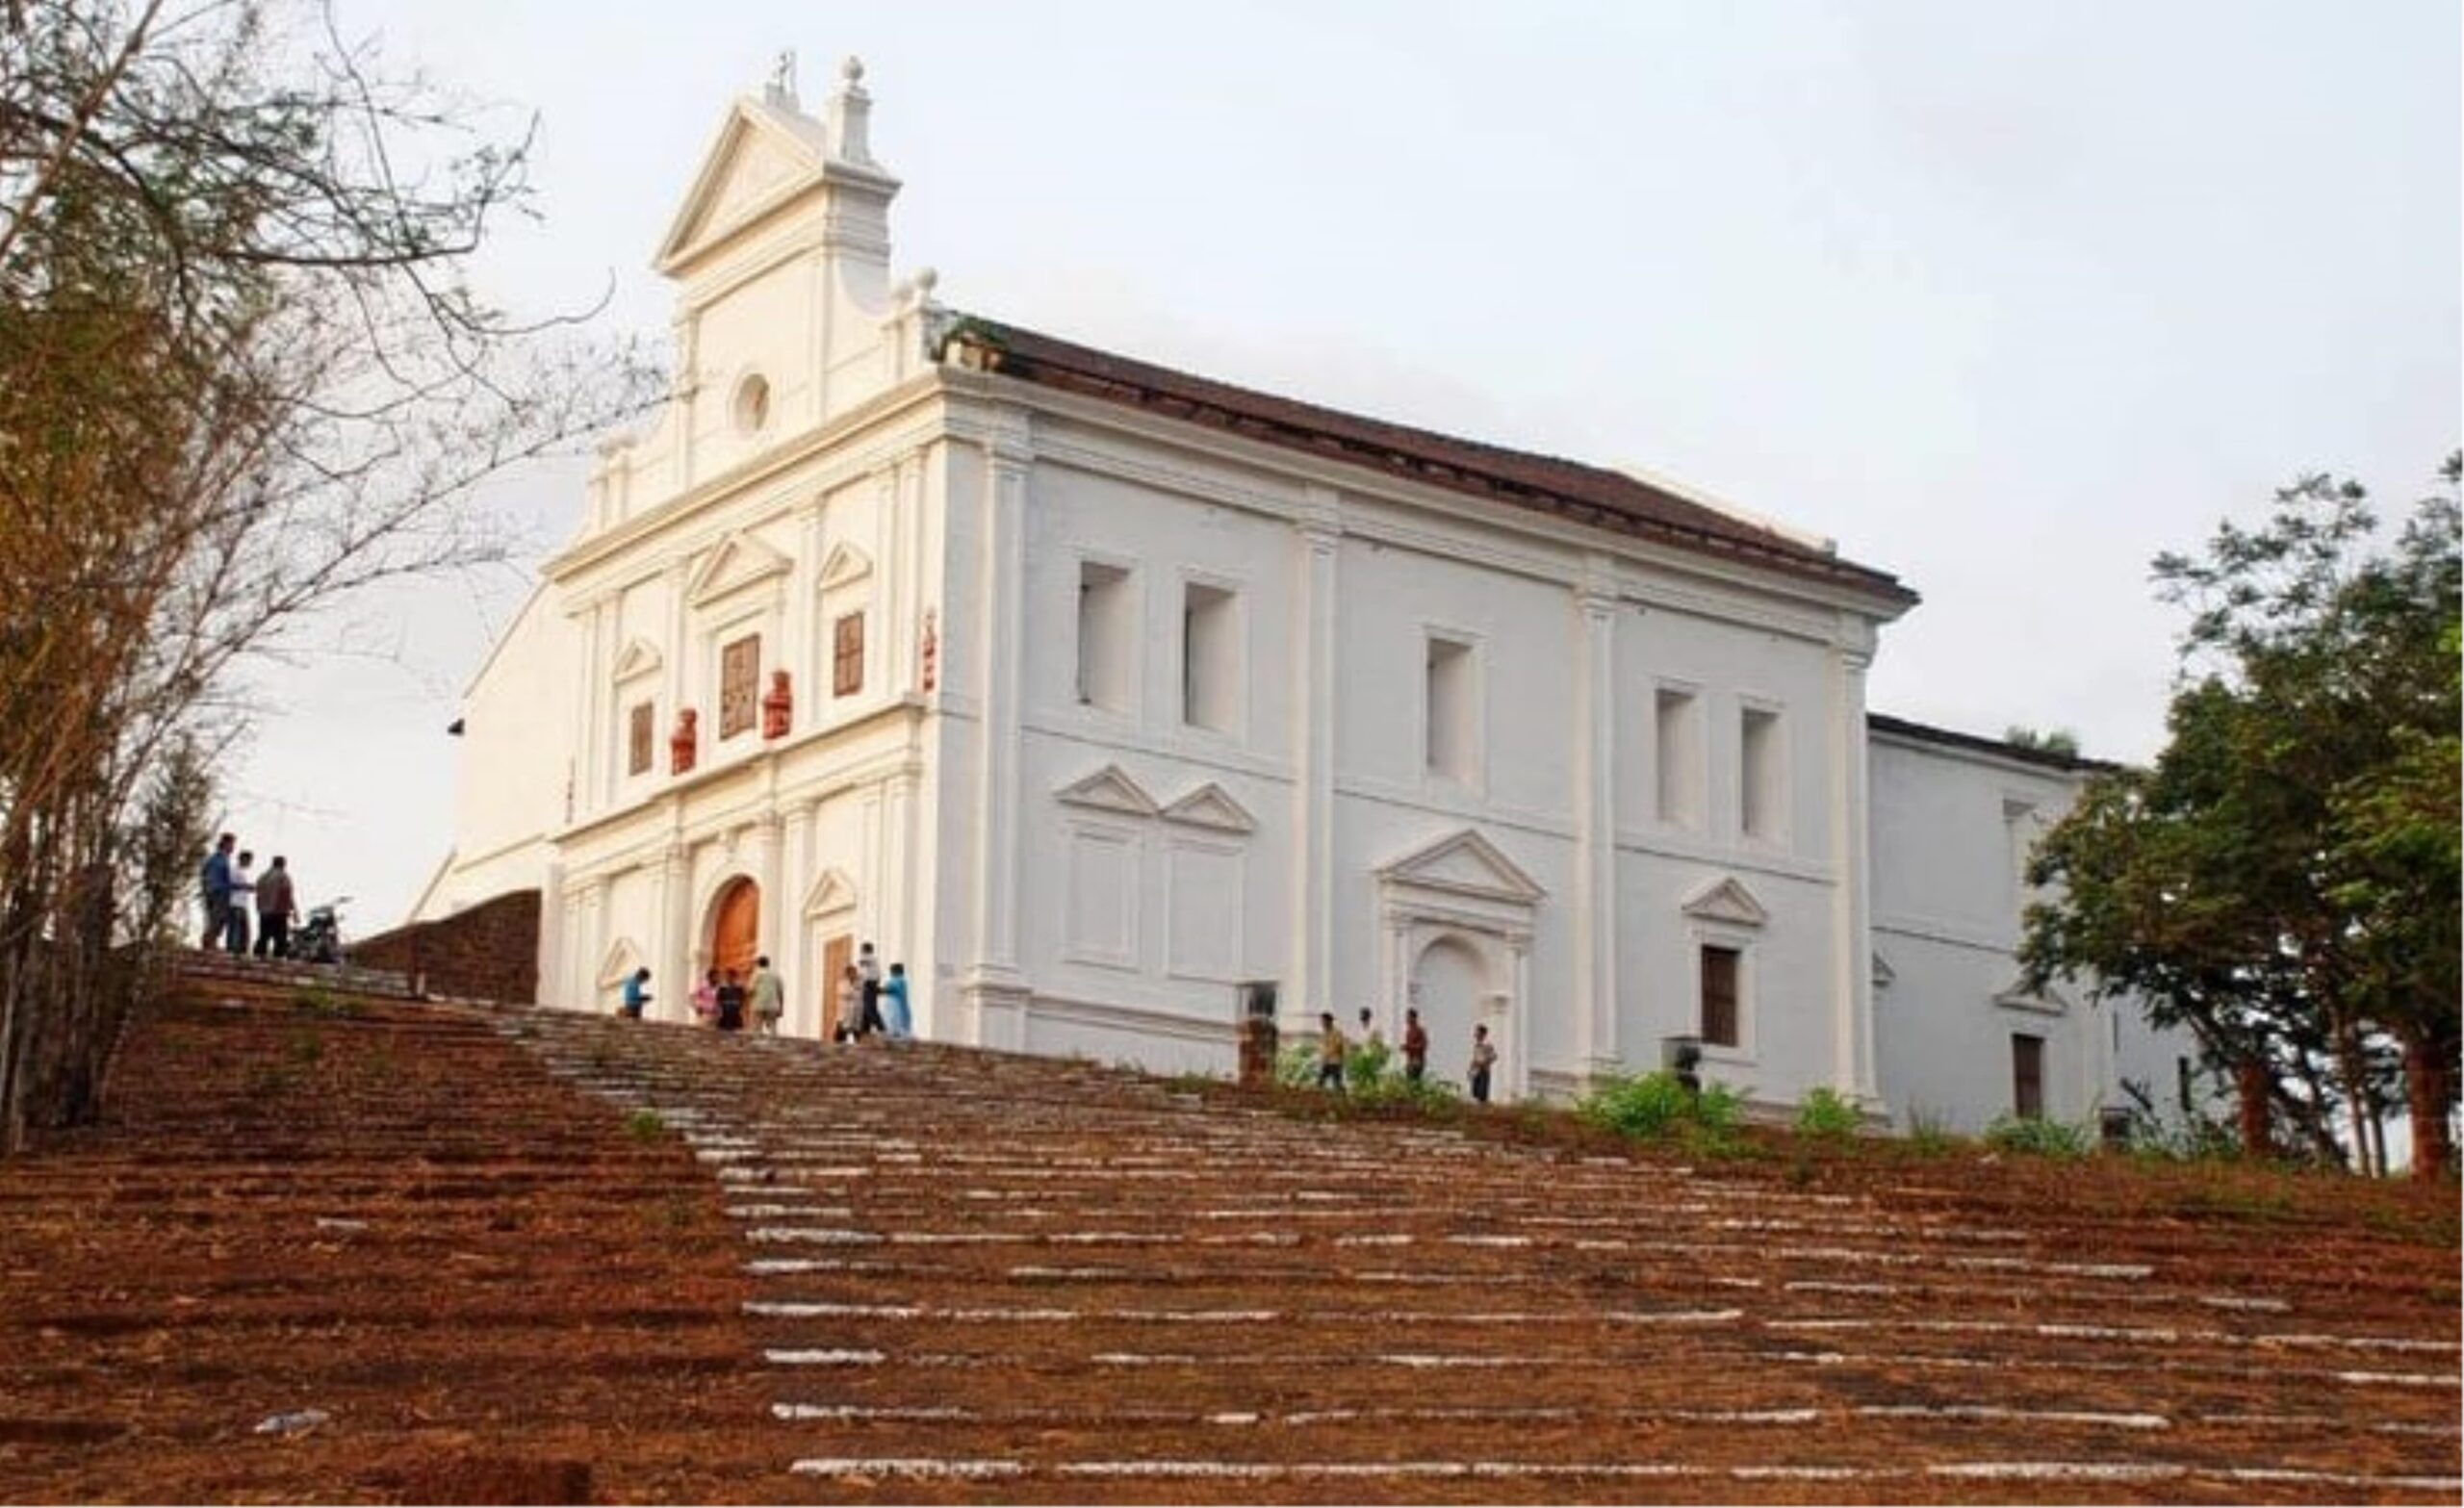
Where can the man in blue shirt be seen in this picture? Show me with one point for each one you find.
(637, 992)
(215, 881)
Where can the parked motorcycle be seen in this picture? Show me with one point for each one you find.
(320, 937)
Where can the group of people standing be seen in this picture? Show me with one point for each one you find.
(232, 889)
(724, 996)
(1334, 1048)
(869, 1003)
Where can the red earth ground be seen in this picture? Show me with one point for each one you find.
(528, 1256)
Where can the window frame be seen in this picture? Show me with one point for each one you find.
(641, 738)
(1473, 720)
(1767, 789)
(1122, 578)
(843, 682)
(1704, 954)
(1691, 811)
(1233, 697)
(2027, 1078)
(730, 723)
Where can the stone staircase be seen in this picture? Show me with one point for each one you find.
(497, 1247)
(977, 1268)
(210, 969)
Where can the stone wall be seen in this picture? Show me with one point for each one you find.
(485, 951)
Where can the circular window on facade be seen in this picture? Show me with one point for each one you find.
(752, 403)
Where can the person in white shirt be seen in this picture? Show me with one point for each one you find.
(244, 891)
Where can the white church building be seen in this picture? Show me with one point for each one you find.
(1092, 690)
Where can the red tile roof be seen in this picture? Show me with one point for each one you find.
(1513, 479)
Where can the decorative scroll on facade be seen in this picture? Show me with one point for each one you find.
(683, 745)
(778, 708)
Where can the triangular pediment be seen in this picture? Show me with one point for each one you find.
(1107, 789)
(833, 892)
(764, 157)
(1211, 806)
(2046, 1002)
(1729, 901)
(844, 565)
(639, 658)
(1465, 863)
(740, 561)
(622, 960)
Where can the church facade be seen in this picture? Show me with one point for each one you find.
(1094, 692)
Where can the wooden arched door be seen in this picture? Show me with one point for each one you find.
(735, 929)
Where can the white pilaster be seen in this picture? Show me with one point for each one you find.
(1312, 926)
(886, 645)
(1851, 940)
(1596, 826)
(895, 915)
(996, 992)
(675, 684)
(804, 656)
(769, 834)
(552, 934)
(1518, 1074)
(678, 968)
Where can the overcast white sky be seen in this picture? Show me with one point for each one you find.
(2006, 297)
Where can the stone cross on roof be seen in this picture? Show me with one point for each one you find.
(782, 87)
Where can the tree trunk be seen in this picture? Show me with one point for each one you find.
(2429, 1089)
(2256, 1087)
(2352, 1074)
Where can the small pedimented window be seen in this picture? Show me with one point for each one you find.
(640, 658)
(1107, 789)
(740, 561)
(844, 565)
(1211, 806)
(1728, 902)
(830, 895)
(618, 962)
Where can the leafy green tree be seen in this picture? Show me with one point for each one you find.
(2058, 741)
(244, 371)
(2283, 881)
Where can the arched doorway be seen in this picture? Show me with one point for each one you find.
(735, 928)
(1448, 982)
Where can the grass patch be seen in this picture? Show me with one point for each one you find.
(1825, 1114)
(317, 1000)
(1929, 1134)
(646, 1125)
(306, 1048)
(2035, 1137)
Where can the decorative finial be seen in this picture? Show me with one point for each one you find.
(783, 78)
(925, 278)
(849, 116)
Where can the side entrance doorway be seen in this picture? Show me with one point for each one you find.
(735, 929)
(837, 954)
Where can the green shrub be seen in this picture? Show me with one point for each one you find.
(1654, 1107)
(2036, 1136)
(646, 1125)
(1391, 1088)
(1827, 1116)
(1367, 1063)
